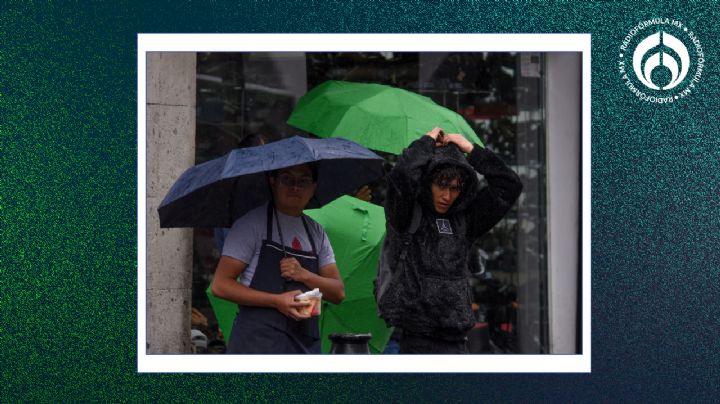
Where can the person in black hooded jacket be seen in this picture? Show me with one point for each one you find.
(435, 209)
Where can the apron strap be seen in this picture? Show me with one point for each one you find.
(271, 209)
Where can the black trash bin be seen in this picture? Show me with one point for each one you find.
(348, 343)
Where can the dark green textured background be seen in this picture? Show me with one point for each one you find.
(68, 205)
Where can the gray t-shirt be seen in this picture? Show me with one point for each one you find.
(245, 239)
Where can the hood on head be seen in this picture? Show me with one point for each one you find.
(450, 155)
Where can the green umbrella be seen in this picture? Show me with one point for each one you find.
(378, 117)
(225, 312)
(356, 230)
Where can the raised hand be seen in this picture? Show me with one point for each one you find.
(437, 134)
(364, 193)
(463, 144)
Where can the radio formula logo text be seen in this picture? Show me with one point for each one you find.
(661, 60)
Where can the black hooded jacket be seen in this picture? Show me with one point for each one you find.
(432, 296)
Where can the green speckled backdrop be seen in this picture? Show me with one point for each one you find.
(68, 205)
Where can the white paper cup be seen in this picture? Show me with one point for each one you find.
(311, 309)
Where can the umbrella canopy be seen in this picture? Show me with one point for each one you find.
(225, 312)
(378, 117)
(215, 193)
(356, 230)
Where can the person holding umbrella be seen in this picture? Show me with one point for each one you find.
(277, 252)
(435, 209)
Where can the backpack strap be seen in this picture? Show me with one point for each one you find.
(408, 235)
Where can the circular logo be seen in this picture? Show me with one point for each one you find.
(661, 60)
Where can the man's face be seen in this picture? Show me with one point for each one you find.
(444, 194)
(293, 187)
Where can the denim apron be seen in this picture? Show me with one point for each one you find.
(263, 330)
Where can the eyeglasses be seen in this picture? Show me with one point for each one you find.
(292, 181)
(444, 186)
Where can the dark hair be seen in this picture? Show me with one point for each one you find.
(444, 174)
(311, 165)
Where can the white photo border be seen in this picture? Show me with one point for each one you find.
(186, 363)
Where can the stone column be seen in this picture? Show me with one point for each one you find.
(170, 151)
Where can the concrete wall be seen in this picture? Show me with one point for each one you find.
(170, 151)
(564, 140)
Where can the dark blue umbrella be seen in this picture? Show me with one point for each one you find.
(215, 193)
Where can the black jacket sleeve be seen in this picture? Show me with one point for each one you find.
(404, 182)
(494, 201)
